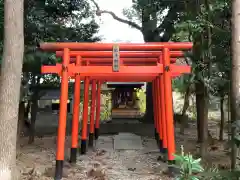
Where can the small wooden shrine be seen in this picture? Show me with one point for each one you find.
(125, 103)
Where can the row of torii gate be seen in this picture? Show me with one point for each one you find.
(96, 63)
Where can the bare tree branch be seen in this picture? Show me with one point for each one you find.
(99, 12)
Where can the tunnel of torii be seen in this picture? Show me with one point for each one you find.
(97, 63)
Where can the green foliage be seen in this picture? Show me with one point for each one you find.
(191, 169)
(180, 84)
(191, 21)
(141, 96)
(188, 166)
(156, 18)
(106, 111)
(48, 21)
(211, 61)
(55, 21)
(58, 21)
(105, 114)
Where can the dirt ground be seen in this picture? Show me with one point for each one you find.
(37, 161)
(217, 154)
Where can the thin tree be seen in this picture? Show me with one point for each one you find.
(11, 69)
(235, 79)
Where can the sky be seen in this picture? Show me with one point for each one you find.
(112, 30)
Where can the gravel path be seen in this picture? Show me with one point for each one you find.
(36, 162)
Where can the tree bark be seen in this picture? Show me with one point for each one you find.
(207, 61)
(202, 113)
(184, 119)
(148, 117)
(34, 109)
(10, 86)
(198, 110)
(235, 75)
(222, 118)
(186, 100)
(20, 121)
(202, 110)
(198, 86)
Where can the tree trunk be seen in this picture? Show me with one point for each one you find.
(184, 118)
(199, 109)
(186, 100)
(222, 118)
(34, 107)
(204, 129)
(229, 115)
(202, 116)
(235, 75)
(11, 69)
(27, 110)
(34, 110)
(199, 91)
(20, 121)
(148, 118)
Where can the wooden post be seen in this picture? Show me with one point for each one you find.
(92, 115)
(160, 126)
(160, 81)
(75, 120)
(85, 117)
(98, 110)
(168, 105)
(62, 116)
(155, 115)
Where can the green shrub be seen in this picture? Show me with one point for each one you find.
(106, 110)
(191, 169)
(141, 96)
(188, 166)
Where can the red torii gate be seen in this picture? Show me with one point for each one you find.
(100, 62)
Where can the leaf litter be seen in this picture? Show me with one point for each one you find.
(37, 161)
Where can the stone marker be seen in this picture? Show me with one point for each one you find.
(127, 141)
